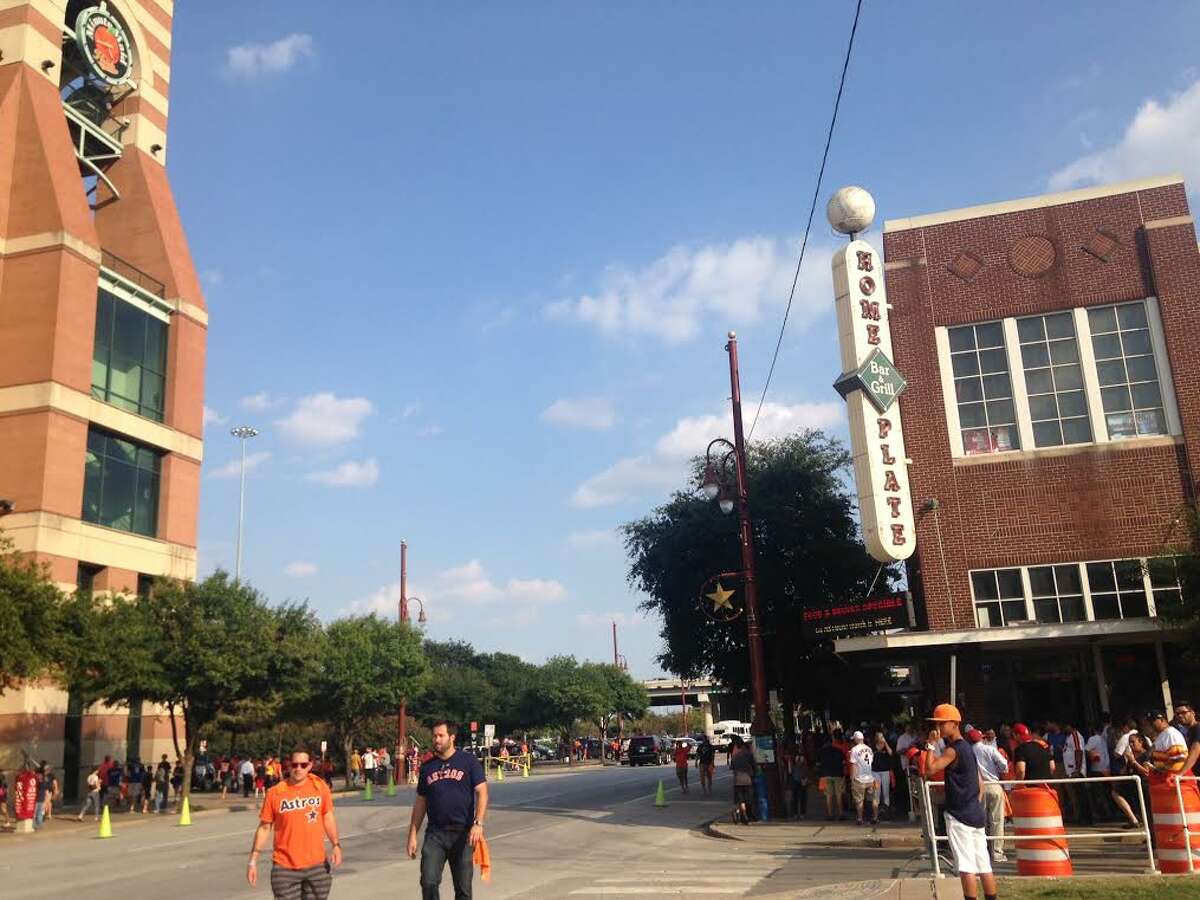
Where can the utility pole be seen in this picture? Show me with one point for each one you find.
(402, 725)
(684, 703)
(761, 725)
(620, 715)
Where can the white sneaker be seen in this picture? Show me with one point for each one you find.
(999, 857)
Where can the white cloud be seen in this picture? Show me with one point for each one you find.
(233, 468)
(581, 412)
(691, 435)
(1162, 138)
(300, 569)
(628, 478)
(468, 592)
(411, 409)
(731, 283)
(623, 619)
(596, 537)
(349, 474)
(212, 277)
(325, 419)
(257, 402)
(429, 431)
(212, 417)
(665, 469)
(253, 60)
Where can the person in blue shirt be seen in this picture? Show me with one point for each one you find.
(965, 818)
(452, 792)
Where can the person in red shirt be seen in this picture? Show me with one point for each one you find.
(681, 764)
(300, 809)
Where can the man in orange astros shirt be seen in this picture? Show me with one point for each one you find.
(301, 811)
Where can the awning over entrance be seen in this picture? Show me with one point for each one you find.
(1124, 631)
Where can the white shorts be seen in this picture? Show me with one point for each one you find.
(969, 846)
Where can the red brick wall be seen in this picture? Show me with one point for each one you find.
(1103, 501)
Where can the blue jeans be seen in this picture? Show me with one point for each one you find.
(439, 848)
(39, 813)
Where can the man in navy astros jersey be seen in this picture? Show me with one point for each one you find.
(452, 790)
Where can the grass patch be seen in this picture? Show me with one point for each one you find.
(1137, 888)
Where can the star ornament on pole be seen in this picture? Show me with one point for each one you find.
(720, 597)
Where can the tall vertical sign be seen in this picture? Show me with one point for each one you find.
(871, 384)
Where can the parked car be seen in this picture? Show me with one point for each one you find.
(644, 750)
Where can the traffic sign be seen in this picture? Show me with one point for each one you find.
(489, 731)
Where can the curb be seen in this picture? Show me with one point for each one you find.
(883, 842)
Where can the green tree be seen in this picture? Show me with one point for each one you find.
(565, 691)
(368, 666)
(617, 693)
(203, 649)
(808, 551)
(30, 604)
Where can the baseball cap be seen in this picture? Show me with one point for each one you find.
(1021, 731)
(1154, 714)
(945, 712)
(974, 735)
(857, 736)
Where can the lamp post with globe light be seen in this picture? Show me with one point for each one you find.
(715, 487)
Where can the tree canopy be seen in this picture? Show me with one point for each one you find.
(808, 551)
(30, 607)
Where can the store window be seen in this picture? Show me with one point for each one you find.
(121, 481)
(999, 597)
(1054, 380)
(1057, 593)
(1117, 589)
(983, 390)
(129, 357)
(1129, 387)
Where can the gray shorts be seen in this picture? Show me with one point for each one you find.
(312, 883)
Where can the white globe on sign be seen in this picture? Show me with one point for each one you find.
(851, 210)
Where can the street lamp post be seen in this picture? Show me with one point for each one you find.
(402, 725)
(713, 489)
(243, 433)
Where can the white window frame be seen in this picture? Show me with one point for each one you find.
(1091, 385)
(1089, 611)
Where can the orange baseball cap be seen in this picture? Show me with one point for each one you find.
(945, 712)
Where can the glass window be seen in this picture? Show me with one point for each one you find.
(1117, 588)
(120, 484)
(1057, 593)
(1125, 368)
(1164, 584)
(1054, 380)
(983, 390)
(999, 597)
(129, 357)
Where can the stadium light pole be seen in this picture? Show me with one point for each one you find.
(243, 433)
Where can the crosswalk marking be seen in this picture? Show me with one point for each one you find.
(658, 890)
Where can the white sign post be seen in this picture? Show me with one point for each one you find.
(871, 385)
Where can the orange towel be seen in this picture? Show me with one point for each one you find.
(482, 857)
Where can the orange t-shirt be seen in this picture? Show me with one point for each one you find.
(297, 812)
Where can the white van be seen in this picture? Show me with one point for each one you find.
(724, 731)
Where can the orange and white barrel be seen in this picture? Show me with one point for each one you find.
(1173, 826)
(1038, 824)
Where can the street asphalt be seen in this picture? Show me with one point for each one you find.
(590, 832)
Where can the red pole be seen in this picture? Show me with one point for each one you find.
(761, 726)
(402, 736)
(683, 698)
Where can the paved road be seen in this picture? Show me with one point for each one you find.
(585, 833)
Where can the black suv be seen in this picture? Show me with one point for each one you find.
(643, 750)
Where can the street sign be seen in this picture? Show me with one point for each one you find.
(489, 732)
(474, 727)
(324, 744)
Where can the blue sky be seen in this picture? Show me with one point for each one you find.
(470, 267)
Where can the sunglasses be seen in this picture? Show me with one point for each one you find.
(303, 765)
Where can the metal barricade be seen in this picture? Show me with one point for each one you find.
(1183, 818)
(934, 837)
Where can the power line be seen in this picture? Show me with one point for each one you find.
(811, 211)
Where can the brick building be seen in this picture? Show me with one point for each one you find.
(104, 327)
(1050, 424)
